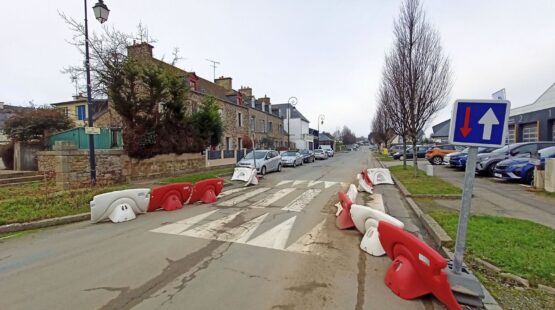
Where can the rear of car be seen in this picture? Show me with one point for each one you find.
(320, 154)
(487, 162)
(435, 155)
(308, 155)
(291, 158)
(522, 169)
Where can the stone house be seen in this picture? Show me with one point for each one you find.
(238, 108)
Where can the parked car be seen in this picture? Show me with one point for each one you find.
(291, 158)
(395, 148)
(327, 149)
(435, 154)
(486, 162)
(266, 161)
(308, 155)
(420, 152)
(458, 159)
(320, 154)
(522, 168)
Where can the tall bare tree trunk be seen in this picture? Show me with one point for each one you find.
(414, 157)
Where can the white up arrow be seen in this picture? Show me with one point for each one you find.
(488, 120)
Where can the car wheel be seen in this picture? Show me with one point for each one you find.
(263, 170)
(490, 169)
(437, 160)
(294, 164)
(530, 177)
(313, 159)
(302, 163)
(401, 157)
(279, 168)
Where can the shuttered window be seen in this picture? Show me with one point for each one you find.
(529, 133)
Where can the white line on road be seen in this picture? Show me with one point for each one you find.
(299, 182)
(275, 238)
(284, 182)
(272, 198)
(329, 184)
(302, 200)
(178, 227)
(231, 192)
(306, 243)
(241, 198)
(312, 183)
(212, 229)
(243, 232)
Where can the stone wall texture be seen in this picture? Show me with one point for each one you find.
(70, 166)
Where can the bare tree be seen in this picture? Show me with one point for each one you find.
(381, 127)
(417, 73)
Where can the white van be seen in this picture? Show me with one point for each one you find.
(327, 149)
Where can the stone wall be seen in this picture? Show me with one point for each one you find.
(70, 166)
(25, 156)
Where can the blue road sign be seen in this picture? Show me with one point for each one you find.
(479, 122)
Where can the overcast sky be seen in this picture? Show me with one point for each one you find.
(328, 54)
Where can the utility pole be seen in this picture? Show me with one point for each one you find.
(214, 65)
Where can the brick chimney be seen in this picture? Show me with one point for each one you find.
(224, 82)
(140, 50)
(266, 103)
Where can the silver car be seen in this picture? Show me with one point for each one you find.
(266, 161)
(320, 154)
(291, 158)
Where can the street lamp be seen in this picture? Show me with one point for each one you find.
(321, 118)
(291, 102)
(101, 13)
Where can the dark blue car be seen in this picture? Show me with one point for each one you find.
(521, 168)
(458, 160)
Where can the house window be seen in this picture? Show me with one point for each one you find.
(81, 115)
(227, 143)
(253, 124)
(263, 125)
(239, 143)
(239, 119)
(270, 129)
(280, 130)
(65, 111)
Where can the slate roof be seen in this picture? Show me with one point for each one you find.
(294, 111)
(441, 129)
(326, 137)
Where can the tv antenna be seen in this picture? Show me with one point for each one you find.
(214, 65)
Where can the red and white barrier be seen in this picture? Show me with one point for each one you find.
(366, 221)
(119, 206)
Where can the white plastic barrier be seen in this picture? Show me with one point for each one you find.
(362, 185)
(380, 176)
(119, 206)
(245, 174)
(366, 220)
(352, 194)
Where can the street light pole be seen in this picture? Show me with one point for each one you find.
(291, 102)
(321, 118)
(101, 13)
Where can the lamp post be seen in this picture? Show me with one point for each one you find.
(321, 118)
(101, 13)
(291, 102)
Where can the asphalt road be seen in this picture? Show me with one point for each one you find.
(496, 197)
(272, 246)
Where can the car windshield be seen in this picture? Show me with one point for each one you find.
(547, 152)
(502, 150)
(304, 152)
(289, 154)
(259, 155)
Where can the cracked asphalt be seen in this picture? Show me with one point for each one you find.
(126, 266)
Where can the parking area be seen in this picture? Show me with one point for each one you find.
(495, 197)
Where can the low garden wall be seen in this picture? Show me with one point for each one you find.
(69, 166)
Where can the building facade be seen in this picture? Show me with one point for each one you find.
(297, 125)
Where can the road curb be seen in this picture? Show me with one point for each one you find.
(8, 228)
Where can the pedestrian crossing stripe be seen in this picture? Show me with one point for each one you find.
(276, 237)
(312, 183)
(243, 232)
(299, 203)
(212, 229)
(180, 226)
(327, 184)
(241, 198)
(231, 192)
(284, 182)
(272, 198)
(299, 182)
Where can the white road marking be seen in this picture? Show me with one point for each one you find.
(243, 232)
(306, 243)
(328, 184)
(212, 229)
(272, 198)
(231, 192)
(312, 183)
(241, 198)
(299, 182)
(178, 227)
(284, 182)
(275, 238)
(377, 203)
(299, 203)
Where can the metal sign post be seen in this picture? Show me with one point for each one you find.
(474, 123)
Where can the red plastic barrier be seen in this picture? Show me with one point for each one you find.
(344, 220)
(207, 190)
(169, 197)
(366, 177)
(416, 269)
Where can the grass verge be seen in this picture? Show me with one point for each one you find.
(383, 157)
(194, 177)
(423, 184)
(32, 202)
